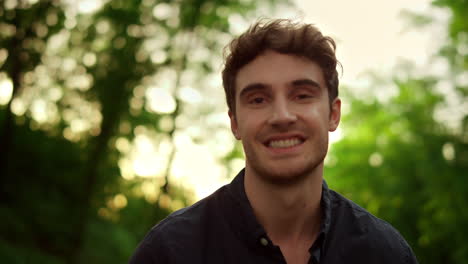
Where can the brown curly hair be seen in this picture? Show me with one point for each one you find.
(283, 36)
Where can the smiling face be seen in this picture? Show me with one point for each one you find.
(283, 116)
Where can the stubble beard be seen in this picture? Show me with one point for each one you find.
(285, 176)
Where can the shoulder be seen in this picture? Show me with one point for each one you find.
(356, 219)
(186, 222)
(180, 230)
(365, 234)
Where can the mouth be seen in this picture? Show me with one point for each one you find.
(284, 143)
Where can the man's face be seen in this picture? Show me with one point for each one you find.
(283, 116)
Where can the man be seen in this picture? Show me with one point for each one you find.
(281, 87)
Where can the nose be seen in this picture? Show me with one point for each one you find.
(281, 114)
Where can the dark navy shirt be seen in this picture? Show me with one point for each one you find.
(222, 228)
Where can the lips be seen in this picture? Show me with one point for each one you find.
(284, 142)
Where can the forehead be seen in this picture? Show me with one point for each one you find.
(276, 70)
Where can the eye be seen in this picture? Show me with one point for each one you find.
(303, 96)
(257, 100)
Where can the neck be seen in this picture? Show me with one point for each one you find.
(289, 213)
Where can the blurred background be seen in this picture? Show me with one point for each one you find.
(112, 115)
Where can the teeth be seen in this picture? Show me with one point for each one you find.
(286, 143)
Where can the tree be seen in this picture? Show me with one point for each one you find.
(84, 83)
(401, 158)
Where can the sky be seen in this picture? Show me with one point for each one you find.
(370, 34)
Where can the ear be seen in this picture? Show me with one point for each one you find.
(335, 114)
(234, 127)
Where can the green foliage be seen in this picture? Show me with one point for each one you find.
(406, 168)
(404, 165)
(64, 198)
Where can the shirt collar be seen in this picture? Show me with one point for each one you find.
(241, 217)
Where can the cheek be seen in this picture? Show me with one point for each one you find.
(317, 116)
(249, 124)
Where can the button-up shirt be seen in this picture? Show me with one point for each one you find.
(222, 228)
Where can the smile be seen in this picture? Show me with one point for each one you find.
(284, 143)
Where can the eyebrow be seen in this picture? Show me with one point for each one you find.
(252, 87)
(260, 86)
(306, 82)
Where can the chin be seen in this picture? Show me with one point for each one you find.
(285, 174)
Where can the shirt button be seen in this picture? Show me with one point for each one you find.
(264, 241)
